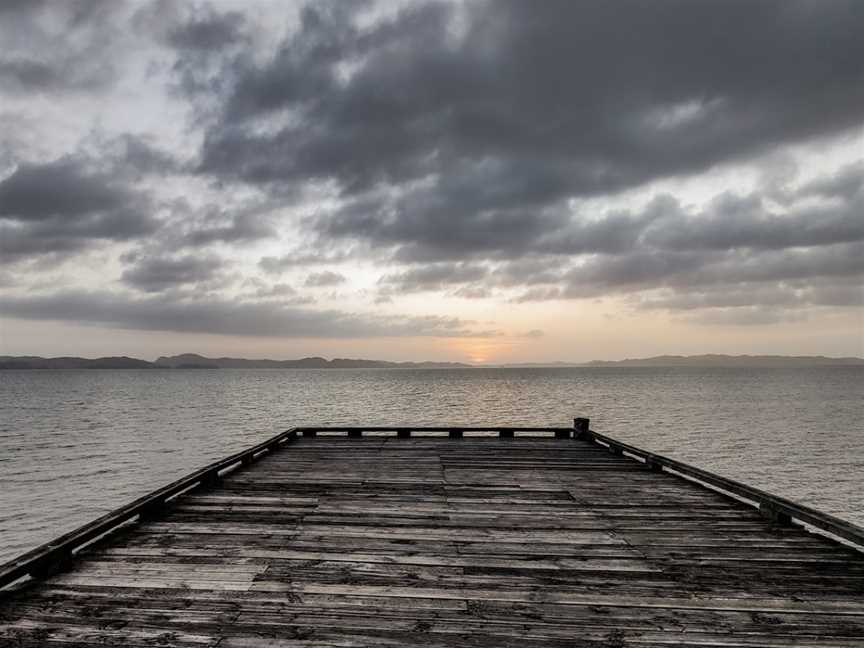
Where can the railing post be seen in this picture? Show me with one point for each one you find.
(53, 563)
(211, 478)
(770, 511)
(455, 433)
(152, 510)
(654, 465)
(355, 434)
(581, 429)
(403, 433)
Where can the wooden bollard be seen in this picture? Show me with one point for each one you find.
(581, 429)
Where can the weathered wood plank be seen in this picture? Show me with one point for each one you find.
(385, 541)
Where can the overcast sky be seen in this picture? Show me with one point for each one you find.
(486, 181)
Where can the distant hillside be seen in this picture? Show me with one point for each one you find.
(538, 365)
(35, 362)
(194, 360)
(714, 360)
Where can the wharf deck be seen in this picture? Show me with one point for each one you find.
(446, 542)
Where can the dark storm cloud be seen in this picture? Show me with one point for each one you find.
(224, 317)
(532, 104)
(63, 207)
(155, 274)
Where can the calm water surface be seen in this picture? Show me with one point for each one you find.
(75, 444)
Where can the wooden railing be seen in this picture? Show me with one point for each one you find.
(454, 432)
(773, 507)
(56, 554)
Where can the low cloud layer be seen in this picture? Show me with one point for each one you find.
(226, 317)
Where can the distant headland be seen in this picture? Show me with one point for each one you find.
(196, 361)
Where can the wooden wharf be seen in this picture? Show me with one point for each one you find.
(445, 537)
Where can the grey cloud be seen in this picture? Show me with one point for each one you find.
(224, 317)
(685, 270)
(207, 29)
(74, 41)
(155, 274)
(137, 155)
(324, 279)
(734, 222)
(529, 272)
(27, 74)
(36, 192)
(637, 271)
(530, 106)
(734, 241)
(790, 295)
(847, 183)
(432, 277)
(299, 258)
(219, 227)
(748, 316)
(472, 292)
(753, 304)
(63, 207)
